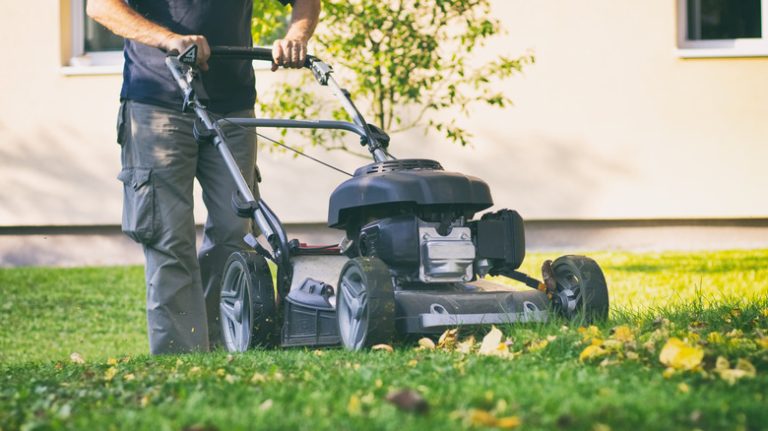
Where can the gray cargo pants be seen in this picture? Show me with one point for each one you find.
(160, 160)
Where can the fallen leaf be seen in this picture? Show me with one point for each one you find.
(684, 388)
(258, 378)
(426, 344)
(681, 356)
(491, 342)
(623, 333)
(383, 347)
(743, 369)
(538, 345)
(508, 422)
(479, 417)
(230, 358)
(413, 363)
(592, 352)
(112, 361)
(266, 405)
(76, 358)
(408, 400)
(668, 372)
(467, 345)
(129, 377)
(354, 406)
(447, 340)
(763, 342)
(715, 338)
(110, 373)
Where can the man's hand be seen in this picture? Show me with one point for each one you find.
(180, 43)
(289, 53)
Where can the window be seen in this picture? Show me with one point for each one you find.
(723, 28)
(92, 43)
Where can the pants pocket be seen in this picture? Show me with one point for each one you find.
(139, 220)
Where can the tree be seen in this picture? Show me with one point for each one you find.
(405, 61)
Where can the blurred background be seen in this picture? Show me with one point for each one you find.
(640, 125)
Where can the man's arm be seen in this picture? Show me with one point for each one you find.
(291, 51)
(124, 21)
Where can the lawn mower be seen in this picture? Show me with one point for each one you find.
(412, 261)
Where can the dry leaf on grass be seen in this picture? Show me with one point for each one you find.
(681, 356)
(592, 352)
(408, 400)
(743, 369)
(76, 358)
(467, 345)
(383, 347)
(491, 342)
(426, 344)
(483, 418)
(447, 340)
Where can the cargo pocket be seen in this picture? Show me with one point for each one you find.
(138, 204)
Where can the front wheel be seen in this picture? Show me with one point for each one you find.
(581, 288)
(365, 303)
(247, 303)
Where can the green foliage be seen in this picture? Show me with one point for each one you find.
(408, 61)
(270, 21)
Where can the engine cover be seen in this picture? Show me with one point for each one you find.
(408, 181)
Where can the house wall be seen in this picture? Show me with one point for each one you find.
(609, 123)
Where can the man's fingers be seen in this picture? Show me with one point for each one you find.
(277, 55)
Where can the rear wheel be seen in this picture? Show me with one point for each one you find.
(581, 288)
(365, 304)
(247, 302)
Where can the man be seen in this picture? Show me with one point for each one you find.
(160, 157)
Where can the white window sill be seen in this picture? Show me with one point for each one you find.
(720, 52)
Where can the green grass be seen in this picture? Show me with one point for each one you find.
(46, 314)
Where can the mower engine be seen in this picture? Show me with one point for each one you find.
(453, 251)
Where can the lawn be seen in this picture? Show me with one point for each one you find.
(705, 314)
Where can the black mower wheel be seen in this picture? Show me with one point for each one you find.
(582, 291)
(247, 302)
(365, 304)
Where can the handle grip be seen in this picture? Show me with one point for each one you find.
(259, 53)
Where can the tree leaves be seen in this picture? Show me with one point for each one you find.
(407, 61)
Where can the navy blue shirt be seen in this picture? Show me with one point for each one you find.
(230, 83)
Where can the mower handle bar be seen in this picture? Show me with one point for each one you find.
(258, 53)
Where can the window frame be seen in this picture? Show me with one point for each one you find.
(81, 62)
(743, 47)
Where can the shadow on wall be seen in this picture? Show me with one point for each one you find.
(538, 175)
(52, 175)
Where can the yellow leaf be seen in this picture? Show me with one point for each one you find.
(426, 344)
(193, 370)
(111, 361)
(383, 347)
(763, 342)
(668, 372)
(588, 333)
(508, 422)
(483, 418)
(681, 356)
(76, 358)
(447, 340)
(129, 377)
(110, 373)
(592, 352)
(467, 345)
(491, 342)
(413, 363)
(744, 369)
(596, 341)
(354, 406)
(221, 372)
(538, 345)
(229, 378)
(144, 400)
(632, 356)
(258, 378)
(684, 388)
(623, 333)
(715, 338)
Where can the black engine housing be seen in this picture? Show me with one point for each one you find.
(408, 186)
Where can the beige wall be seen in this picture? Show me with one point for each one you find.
(608, 123)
